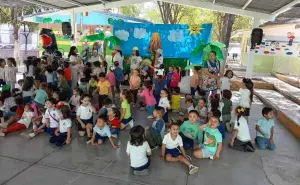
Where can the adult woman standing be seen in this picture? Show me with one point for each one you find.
(75, 63)
(73, 56)
(135, 59)
(210, 74)
(118, 56)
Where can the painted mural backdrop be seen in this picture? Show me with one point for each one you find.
(176, 41)
(278, 48)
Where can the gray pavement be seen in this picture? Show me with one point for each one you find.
(36, 162)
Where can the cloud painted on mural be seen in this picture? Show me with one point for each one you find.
(122, 34)
(139, 33)
(176, 36)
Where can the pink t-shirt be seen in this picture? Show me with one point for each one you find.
(111, 78)
(175, 80)
(149, 97)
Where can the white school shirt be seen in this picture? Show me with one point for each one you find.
(73, 58)
(10, 74)
(160, 61)
(84, 112)
(138, 154)
(225, 83)
(53, 116)
(245, 98)
(26, 118)
(170, 143)
(49, 77)
(190, 108)
(75, 101)
(119, 58)
(2, 73)
(243, 134)
(64, 125)
(165, 103)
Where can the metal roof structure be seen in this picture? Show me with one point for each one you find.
(262, 9)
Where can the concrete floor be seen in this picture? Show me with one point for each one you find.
(37, 162)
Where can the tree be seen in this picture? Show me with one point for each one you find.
(171, 13)
(57, 21)
(130, 10)
(31, 27)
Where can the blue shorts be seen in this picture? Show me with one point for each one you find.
(49, 130)
(166, 117)
(126, 121)
(103, 138)
(205, 152)
(175, 152)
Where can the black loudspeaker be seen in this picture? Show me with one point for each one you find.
(256, 37)
(66, 28)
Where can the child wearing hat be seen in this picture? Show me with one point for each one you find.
(135, 59)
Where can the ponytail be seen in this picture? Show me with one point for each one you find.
(240, 111)
(249, 85)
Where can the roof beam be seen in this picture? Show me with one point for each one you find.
(215, 7)
(42, 4)
(286, 7)
(214, 1)
(74, 2)
(246, 4)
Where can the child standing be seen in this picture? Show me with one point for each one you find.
(92, 85)
(172, 149)
(175, 77)
(189, 130)
(63, 132)
(2, 71)
(10, 73)
(112, 80)
(225, 80)
(241, 139)
(62, 83)
(126, 118)
(135, 82)
(212, 144)
(155, 133)
(150, 101)
(202, 110)
(194, 81)
(265, 130)
(246, 96)
(101, 133)
(40, 95)
(97, 70)
(159, 83)
(67, 73)
(103, 88)
(49, 76)
(227, 107)
(169, 76)
(22, 124)
(84, 116)
(119, 76)
(175, 99)
(139, 151)
(165, 103)
(114, 119)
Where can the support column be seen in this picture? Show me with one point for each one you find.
(74, 27)
(250, 58)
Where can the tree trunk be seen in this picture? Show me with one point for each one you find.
(16, 27)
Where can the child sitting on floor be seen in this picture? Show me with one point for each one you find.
(149, 98)
(115, 123)
(189, 106)
(226, 109)
(107, 106)
(74, 101)
(212, 144)
(63, 132)
(202, 110)
(241, 139)
(217, 113)
(22, 124)
(265, 130)
(139, 151)
(155, 133)
(101, 133)
(189, 130)
(172, 149)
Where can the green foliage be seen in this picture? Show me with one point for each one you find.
(110, 21)
(130, 10)
(115, 41)
(57, 21)
(95, 37)
(47, 20)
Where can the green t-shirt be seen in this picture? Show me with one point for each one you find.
(40, 96)
(125, 105)
(190, 130)
(64, 84)
(226, 108)
(211, 139)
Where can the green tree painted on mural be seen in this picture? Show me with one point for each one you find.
(47, 20)
(57, 21)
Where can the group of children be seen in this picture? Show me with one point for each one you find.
(55, 104)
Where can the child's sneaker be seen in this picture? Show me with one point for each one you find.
(150, 117)
(25, 136)
(193, 169)
(88, 140)
(114, 136)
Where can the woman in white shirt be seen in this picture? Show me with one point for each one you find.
(241, 139)
(73, 56)
(246, 96)
(118, 56)
(135, 59)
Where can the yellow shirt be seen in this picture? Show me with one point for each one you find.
(103, 87)
(175, 99)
